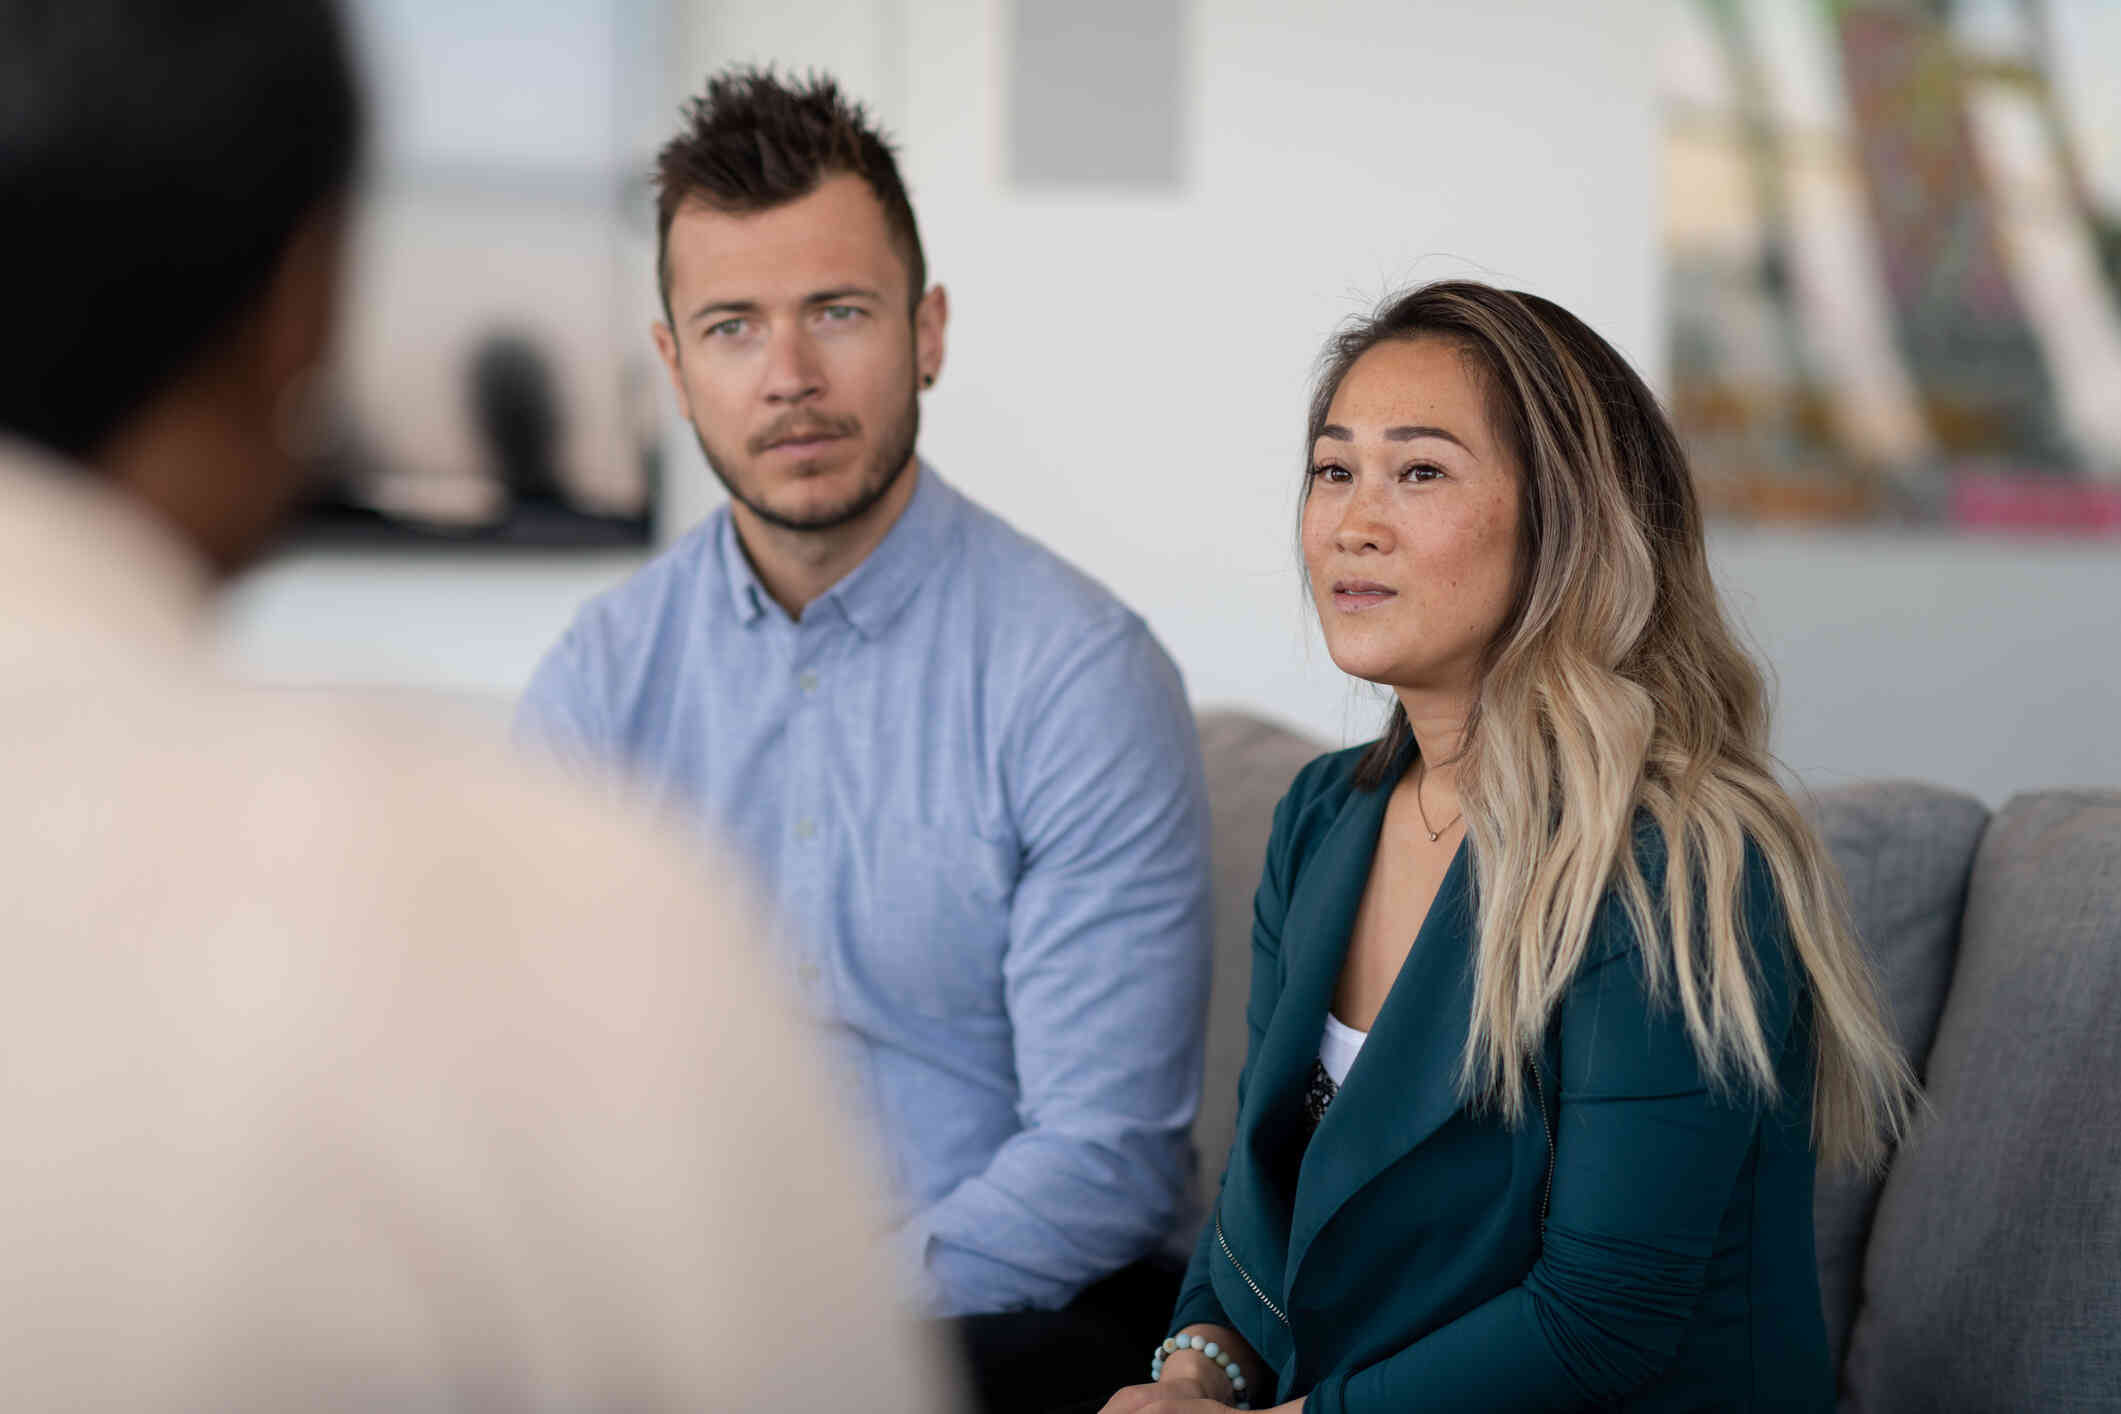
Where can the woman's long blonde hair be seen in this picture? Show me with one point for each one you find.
(1615, 688)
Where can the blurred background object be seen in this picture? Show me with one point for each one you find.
(1894, 234)
(493, 253)
(1131, 344)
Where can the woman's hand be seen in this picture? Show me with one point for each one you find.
(1178, 1396)
(1193, 1378)
(1191, 1384)
(1174, 1394)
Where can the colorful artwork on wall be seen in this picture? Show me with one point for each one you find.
(1893, 252)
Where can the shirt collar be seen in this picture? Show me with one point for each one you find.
(746, 595)
(874, 591)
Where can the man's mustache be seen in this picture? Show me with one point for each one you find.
(802, 427)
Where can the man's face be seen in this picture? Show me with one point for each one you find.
(795, 354)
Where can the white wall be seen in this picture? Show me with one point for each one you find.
(471, 627)
(1126, 374)
(1988, 665)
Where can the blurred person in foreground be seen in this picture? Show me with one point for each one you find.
(342, 1067)
(968, 773)
(1554, 1006)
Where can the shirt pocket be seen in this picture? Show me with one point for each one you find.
(938, 926)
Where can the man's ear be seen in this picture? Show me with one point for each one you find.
(666, 347)
(930, 320)
(300, 313)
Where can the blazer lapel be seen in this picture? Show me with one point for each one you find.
(1404, 1083)
(1314, 940)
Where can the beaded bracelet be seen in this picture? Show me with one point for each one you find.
(1173, 1344)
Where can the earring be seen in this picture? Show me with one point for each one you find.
(927, 380)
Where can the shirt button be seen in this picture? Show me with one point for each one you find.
(808, 682)
(805, 829)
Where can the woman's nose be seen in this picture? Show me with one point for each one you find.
(1363, 525)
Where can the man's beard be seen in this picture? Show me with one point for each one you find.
(893, 454)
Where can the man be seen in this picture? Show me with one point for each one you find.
(342, 1067)
(968, 773)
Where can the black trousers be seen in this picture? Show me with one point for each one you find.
(1073, 1359)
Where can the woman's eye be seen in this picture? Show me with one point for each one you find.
(1327, 471)
(1422, 471)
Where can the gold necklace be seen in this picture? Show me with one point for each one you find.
(1419, 781)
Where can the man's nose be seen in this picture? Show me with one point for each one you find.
(793, 373)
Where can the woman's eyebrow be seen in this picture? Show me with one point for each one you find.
(1408, 432)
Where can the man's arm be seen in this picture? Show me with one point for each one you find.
(562, 713)
(1106, 983)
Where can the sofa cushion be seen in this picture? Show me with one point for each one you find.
(1250, 763)
(1993, 1275)
(1905, 850)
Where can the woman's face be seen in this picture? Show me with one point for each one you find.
(1410, 521)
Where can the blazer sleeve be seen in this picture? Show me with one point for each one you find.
(1197, 1302)
(1648, 1154)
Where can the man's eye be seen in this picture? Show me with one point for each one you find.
(727, 329)
(842, 313)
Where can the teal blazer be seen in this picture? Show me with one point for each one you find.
(1640, 1242)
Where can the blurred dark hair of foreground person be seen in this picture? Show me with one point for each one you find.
(343, 1065)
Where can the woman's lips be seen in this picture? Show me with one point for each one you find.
(1354, 596)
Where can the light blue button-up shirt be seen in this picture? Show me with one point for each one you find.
(968, 776)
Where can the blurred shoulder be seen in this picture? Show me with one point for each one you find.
(377, 816)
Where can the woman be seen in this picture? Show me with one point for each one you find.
(1553, 1005)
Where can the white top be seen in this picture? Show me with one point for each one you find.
(1338, 1047)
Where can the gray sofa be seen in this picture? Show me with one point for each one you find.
(1983, 1272)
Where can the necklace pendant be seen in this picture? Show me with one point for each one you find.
(1432, 837)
